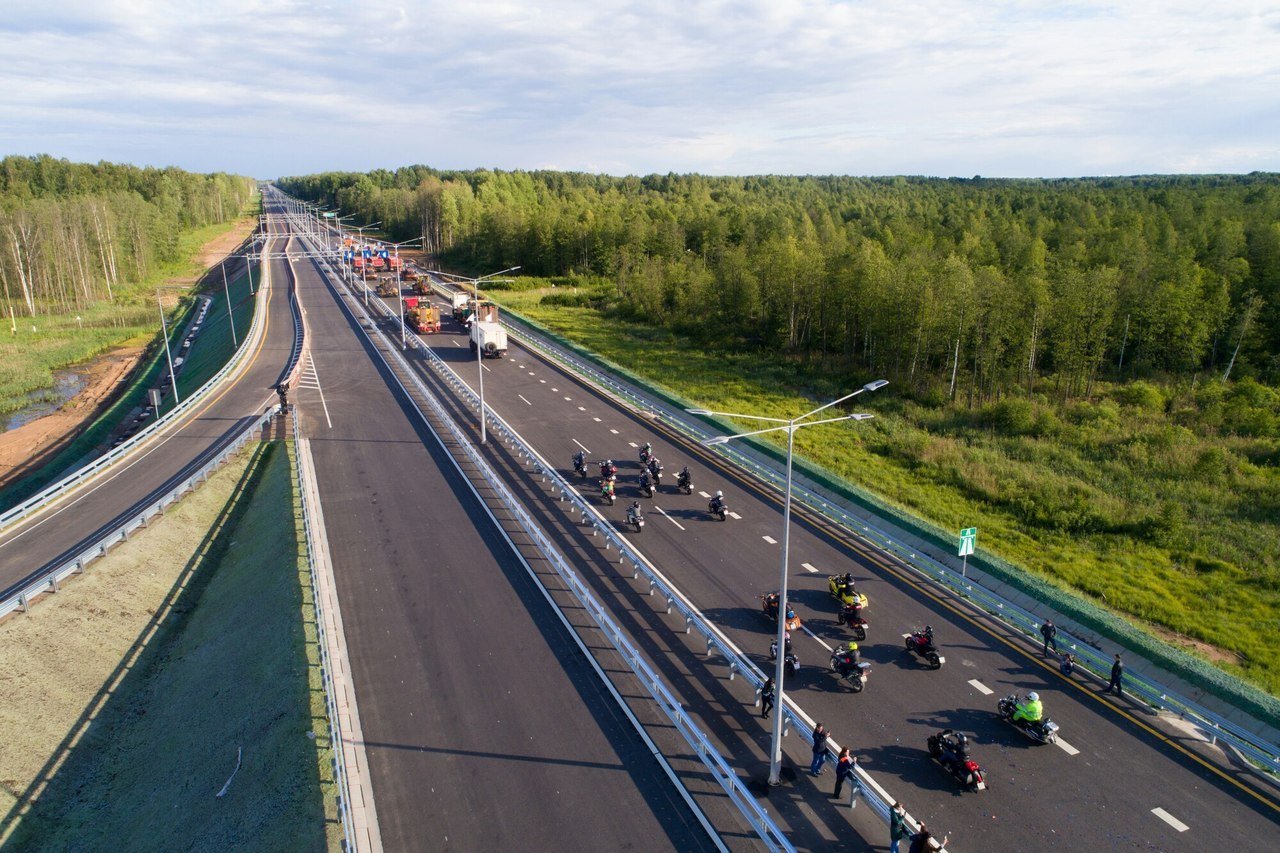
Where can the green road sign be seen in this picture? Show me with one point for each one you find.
(968, 540)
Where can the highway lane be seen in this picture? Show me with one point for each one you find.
(1040, 797)
(484, 726)
(52, 536)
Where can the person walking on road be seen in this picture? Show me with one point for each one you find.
(844, 770)
(897, 827)
(1050, 633)
(819, 750)
(1117, 672)
(766, 698)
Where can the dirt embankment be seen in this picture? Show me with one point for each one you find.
(26, 448)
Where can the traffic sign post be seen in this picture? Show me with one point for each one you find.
(968, 541)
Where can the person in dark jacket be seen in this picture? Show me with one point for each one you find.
(921, 842)
(819, 749)
(766, 698)
(1117, 672)
(844, 770)
(1068, 664)
(897, 827)
(1050, 633)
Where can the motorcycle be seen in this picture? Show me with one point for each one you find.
(769, 607)
(842, 590)
(606, 491)
(608, 471)
(857, 673)
(580, 465)
(646, 484)
(952, 755)
(791, 664)
(684, 482)
(646, 453)
(1043, 731)
(718, 508)
(655, 470)
(920, 643)
(851, 615)
(635, 517)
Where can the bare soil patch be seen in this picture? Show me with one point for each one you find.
(1208, 651)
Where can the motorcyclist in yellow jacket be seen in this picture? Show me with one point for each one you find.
(1031, 710)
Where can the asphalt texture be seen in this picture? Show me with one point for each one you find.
(484, 725)
(1119, 777)
(51, 537)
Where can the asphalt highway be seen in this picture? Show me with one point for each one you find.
(1118, 777)
(49, 538)
(483, 724)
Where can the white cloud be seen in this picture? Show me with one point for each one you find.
(801, 86)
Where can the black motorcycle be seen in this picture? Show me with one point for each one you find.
(655, 470)
(951, 751)
(646, 453)
(921, 643)
(684, 482)
(646, 484)
(856, 671)
(718, 508)
(580, 464)
(1044, 730)
(791, 664)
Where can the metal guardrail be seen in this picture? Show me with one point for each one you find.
(74, 479)
(839, 512)
(51, 580)
(326, 665)
(670, 705)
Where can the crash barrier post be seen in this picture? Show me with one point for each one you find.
(838, 511)
(734, 787)
(19, 596)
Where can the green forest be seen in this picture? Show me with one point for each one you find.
(1086, 369)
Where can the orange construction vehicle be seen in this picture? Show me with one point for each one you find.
(423, 316)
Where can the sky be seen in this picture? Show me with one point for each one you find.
(999, 89)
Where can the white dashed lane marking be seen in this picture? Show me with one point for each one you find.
(582, 408)
(980, 687)
(733, 514)
(522, 397)
(580, 444)
(808, 567)
(597, 420)
(1170, 819)
(569, 399)
(543, 381)
(769, 539)
(614, 431)
(667, 517)
(705, 495)
(1066, 747)
(633, 444)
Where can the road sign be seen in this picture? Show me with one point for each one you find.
(968, 539)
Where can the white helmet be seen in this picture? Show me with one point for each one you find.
(1033, 696)
(719, 493)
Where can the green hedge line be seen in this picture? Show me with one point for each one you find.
(1120, 631)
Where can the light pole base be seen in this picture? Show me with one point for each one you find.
(761, 786)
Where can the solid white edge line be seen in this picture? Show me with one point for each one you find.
(585, 449)
(522, 397)
(668, 518)
(1170, 819)
(980, 687)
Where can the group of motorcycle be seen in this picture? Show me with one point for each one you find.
(649, 480)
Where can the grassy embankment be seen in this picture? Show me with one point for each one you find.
(133, 754)
(1141, 498)
(28, 360)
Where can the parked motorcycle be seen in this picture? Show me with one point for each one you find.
(921, 643)
(635, 517)
(1043, 731)
(951, 751)
(606, 491)
(844, 663)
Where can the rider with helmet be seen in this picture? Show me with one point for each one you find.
(846, 657)
(786, 645)
(717, 501)
(1031, 710)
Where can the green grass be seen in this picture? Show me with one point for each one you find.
(1171, 525)
(232, 666)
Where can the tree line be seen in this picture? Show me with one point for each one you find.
(973, 286)
(71, 233)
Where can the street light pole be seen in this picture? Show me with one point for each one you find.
(796, 423)
(164, 330)
(475, 318)
(231, 320)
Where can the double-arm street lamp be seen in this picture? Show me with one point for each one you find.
(799, 422)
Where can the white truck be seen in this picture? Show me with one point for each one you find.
(490, 337)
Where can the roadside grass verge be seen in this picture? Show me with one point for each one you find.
(1175, 528)
(222, 667)
(28, 361)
